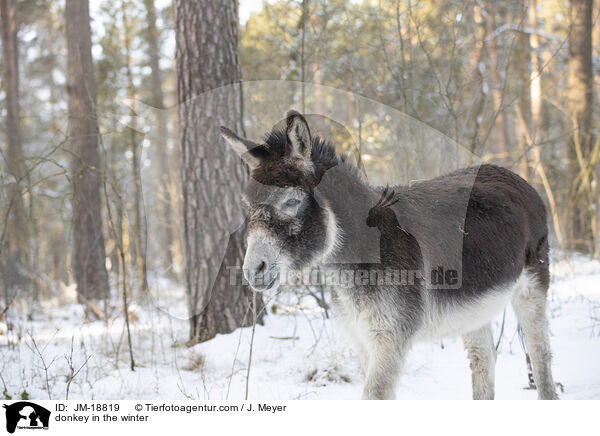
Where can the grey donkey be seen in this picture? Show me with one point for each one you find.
(439, 258)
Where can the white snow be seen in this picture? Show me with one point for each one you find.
(297, 354)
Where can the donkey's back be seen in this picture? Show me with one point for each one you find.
(489, 215)
(487, 226)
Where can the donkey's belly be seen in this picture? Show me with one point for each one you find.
(450, 317)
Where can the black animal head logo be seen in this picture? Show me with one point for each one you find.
(24, 414)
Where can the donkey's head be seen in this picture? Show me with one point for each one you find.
(289, 228)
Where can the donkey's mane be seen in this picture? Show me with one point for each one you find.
(323, 152)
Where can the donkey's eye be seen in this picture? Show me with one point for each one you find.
(291, 202)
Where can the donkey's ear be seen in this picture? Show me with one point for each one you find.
(251, 152)
(298, 140)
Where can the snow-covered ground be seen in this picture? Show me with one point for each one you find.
(297, 354)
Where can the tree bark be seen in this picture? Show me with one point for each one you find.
(212, 175)
(160, 137)
(14, 246)
(580, 104)
(89, 251)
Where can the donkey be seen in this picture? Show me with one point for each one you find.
(308, 206)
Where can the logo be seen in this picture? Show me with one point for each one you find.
(26, 415)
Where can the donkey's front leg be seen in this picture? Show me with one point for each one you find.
(386, 359)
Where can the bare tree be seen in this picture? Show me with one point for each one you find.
(523, 107)
(139, 226)
(212, 175)
(89, 251)
(535, 79)
(156, 80)
(582, 234)
(498, 85)
(15, 235)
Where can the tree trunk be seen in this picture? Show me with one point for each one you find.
(89, 251)
(478, 55)
(139, 233)
(212, 175)
(14, 245)
(160, 139)
(536, 135)
(535, 80)
(498, 89)
(580, 103)
(524, 105)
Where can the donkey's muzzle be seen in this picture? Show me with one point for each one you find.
(261, 268)
(261, 276)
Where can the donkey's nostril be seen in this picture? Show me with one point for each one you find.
(261, 267)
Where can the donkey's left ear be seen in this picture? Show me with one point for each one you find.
(298, 140)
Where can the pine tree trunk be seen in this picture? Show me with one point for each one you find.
(160, 139)
(212, 175)
(14, 245)
(89, 251)
(580, 103)
(524, 104)
(139, 228)
(535, 81)
(498, 88)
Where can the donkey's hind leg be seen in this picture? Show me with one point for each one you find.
(482, 354)
(529, 302)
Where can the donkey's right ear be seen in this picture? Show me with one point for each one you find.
(251, 152)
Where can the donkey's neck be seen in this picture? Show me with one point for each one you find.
(349, 199)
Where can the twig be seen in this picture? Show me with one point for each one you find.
(255, 317)
(74, 373)
(251, 342)
(236, 353)
(501, 330)
(119, 239)
(44, 365)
